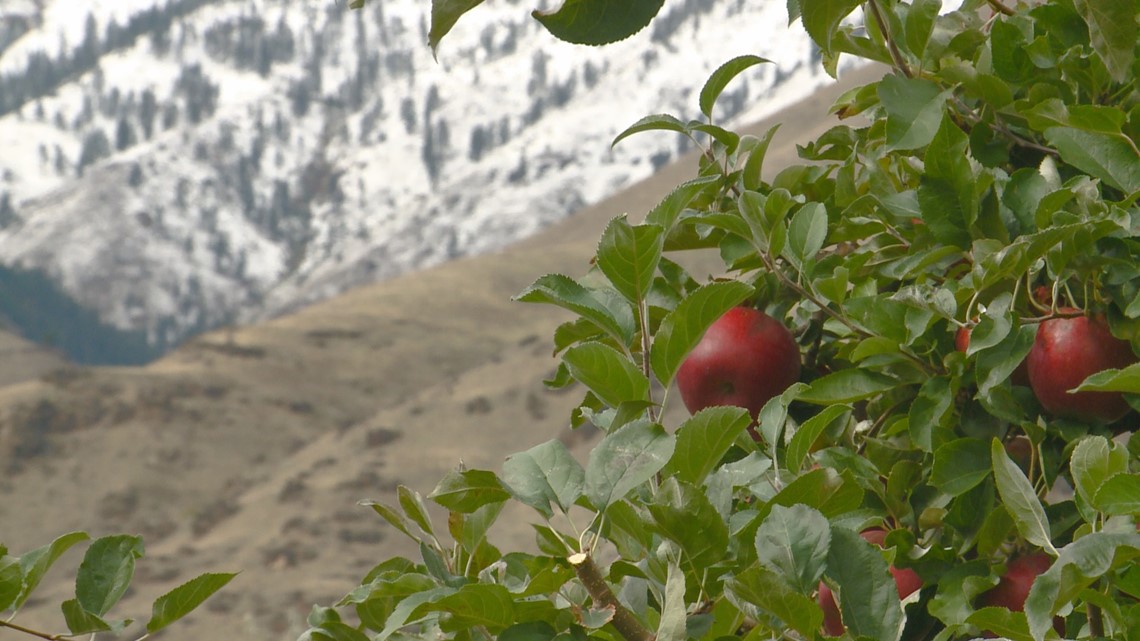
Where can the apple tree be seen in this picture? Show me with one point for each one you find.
(951, 260)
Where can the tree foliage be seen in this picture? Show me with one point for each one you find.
(986, 184)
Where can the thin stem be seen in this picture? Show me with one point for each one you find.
(996, 5)
(968, 113)
(896, 55)
(34, 633)
(591, 577)
(643, 312)
(1096, 621)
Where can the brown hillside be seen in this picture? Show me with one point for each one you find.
(248, 449)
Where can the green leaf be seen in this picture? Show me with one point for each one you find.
(847, 386)
(413, 506)
(793, 541)
(1105, 156)
(807, 231)
(409, 610)
(333, 631)
(11, 580)
(703, 440)
(822, 489)
(444, 14)
(1019, 499)
(809, 432)
(666, 212)
(473, 534)
(1113, 33)
(598, 22)
(1091, 464)
(914, 110)
(673, 612)
(754, 166)
(960, 465)
(1120, 494)
(607, 372)
(80, 621)
(106, 572)
(682, 513)
(545, 473)
(1113, 380)
(652, 122)
(946, 191)
(721, 77)
(36, 563)
(821, 18)
(625, 459)
(628, 256)
(930, 413)
(920, 19)
(614, 316)
(478, 604)
(1002, 622)
(764, 589)
(682, 328)
(182, 600)
(468, 490)
(864, 587)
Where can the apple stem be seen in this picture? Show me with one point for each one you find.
(591, 577)
(643, 313)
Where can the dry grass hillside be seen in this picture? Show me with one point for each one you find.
(248, 449)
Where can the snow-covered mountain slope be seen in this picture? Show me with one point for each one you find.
(182, 164)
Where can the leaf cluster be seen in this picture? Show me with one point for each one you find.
(101, 580)
(986, 184)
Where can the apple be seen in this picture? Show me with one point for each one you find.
(1065, 352)
(1013, 588)
(906, 580)
(1020, 375)
(744, 359)
(1020, 449)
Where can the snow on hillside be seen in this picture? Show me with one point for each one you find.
(177, 165)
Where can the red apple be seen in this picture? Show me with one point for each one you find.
(1066, 352)
(906, 580)
(744, 359)
(1020, 375)
(1013, 588)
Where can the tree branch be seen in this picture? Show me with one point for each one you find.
(896, 55)
(34, 633)
(624, 620)
(996, 5)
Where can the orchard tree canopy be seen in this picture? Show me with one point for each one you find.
(957, 262)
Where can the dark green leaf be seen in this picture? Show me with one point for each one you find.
(11, 580)
(444, 14)
(628, 256)
(673, 613)
(394, 518)
(865, 589)
(684, 514)
(1105, 156)
(625, 459)
(807, 231)
(920, 19)
(809, 432)
(753, 167)
(931, 412)
(1019, 499)
(682, 328)
(478, 604)
(665, 213)
(608, 373)
(765, 589)
(614, 316)
(822, 489)
(821, 18)
(654, 122)
(1091, 464)
(1113, 33)
(473, 534)
(106, 572)
(721, 77)
(80, 621)
(468, 490)
(598, 22)
(545, 473)
(413, 506)
(914, 110)
(847, 386)
(793, 541)
(960, 465)
(703, 440)
(1002, 622)
(182, 600)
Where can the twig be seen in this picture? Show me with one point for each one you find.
(1096, 621)
(1001, 8)
(624, 620)
(34, 633)
(896, 55)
